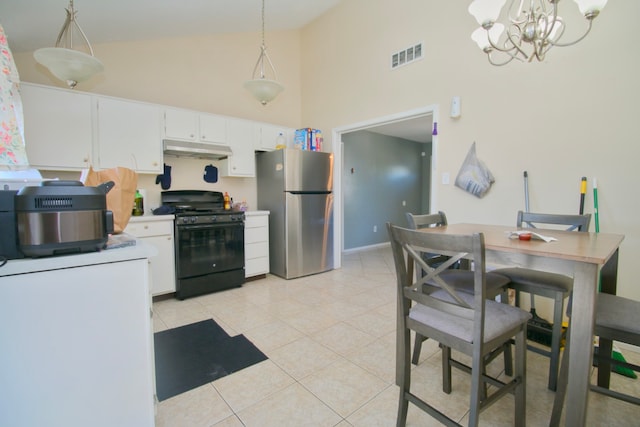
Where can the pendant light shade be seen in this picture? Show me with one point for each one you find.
(261, 87)
(64, 61)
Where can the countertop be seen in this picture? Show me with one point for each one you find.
(256, 213)
(150, 217)
(31, 265)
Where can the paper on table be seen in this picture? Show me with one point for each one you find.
(534, 236)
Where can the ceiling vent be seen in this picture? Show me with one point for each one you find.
(406, 56)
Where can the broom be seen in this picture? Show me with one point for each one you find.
(616, 355)
(538, 329)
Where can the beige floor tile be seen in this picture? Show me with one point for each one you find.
(343, 386)
(272, 335)
(302, 357)
(232, 421)
(378, 358)
(294, 406)
(200, 407)
(311, 320)
(252, 384)
(373, 323)
(343, 338)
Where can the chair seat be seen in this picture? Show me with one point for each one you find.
(499, 318)
(620, 314)
(524, 278)
(462, 280)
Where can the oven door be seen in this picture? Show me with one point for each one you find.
(210, 248)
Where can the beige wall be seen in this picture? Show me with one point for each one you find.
(568, 117)
(571, 116)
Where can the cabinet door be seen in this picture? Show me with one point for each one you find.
(57, 127)
(213, 128)
(269, 137)
(242, 162)
(180, 124)
(160, 235)
(129, 135)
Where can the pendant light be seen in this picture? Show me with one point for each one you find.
(262, 88)
(64, 61)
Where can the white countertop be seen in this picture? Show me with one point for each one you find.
(149, 217)
(30, 265)
(256, 213)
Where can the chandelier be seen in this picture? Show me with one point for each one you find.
(262, 88)
(534, 27)
(65, 62)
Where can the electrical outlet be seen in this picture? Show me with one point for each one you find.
(375, 228)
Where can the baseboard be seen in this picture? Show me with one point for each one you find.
(366, 248)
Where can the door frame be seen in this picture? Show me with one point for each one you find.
(338, 150)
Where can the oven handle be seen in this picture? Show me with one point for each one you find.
(210, 226)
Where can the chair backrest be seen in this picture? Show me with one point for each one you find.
(407, 246)
(420, 221)
(539, 220)
(426, 220)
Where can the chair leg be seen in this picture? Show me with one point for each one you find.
(404, 350)
(477, 385)
(508, 360)
(521, 372)
(556, 337)
(446, 369)
(417, 346)
(561, 390)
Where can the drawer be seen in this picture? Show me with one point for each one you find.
(253, 221)
(252, 235)
(256, 250)
(151, 228)
(256, 266)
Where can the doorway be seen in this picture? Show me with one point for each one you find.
(414, 125)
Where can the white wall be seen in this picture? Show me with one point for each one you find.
(568, 117)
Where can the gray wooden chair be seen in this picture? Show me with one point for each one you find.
(550, 285)
(461, 280)
(469, 323)
(618, 319)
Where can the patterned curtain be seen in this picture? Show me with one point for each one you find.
(12, 150)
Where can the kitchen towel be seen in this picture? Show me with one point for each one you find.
(196, 354)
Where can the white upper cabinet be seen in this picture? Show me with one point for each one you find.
(267, 136)
(180, 124)
(186, 125)
(129, 135)
(58, 127)
(213, 128)
(240, 137)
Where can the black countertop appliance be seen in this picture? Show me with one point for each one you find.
(62, 217)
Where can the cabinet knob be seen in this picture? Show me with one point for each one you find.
(204, 137)
(146, 227)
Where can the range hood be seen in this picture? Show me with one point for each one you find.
(201, 150)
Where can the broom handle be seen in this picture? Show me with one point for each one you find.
(526, 191)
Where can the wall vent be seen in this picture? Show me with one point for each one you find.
(406, 56)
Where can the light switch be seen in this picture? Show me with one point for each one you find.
(445, 178)
(455, 107)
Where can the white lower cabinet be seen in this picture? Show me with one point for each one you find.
(256, 243)
(77, 344)
(157, 231)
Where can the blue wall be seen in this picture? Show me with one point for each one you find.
(379, 173)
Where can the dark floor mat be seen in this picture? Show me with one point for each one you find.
(192, 355)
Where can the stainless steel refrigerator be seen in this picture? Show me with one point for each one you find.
(295, 186)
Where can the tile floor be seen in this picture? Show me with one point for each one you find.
(331, 345)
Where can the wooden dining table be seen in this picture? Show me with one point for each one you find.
(591, 259)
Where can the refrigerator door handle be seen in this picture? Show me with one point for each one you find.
(308, 192)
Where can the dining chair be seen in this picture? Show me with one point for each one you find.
(618, 319)
(472, 324)
(462, 280)
(542, 283)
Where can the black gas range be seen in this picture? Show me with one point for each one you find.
(209, 242)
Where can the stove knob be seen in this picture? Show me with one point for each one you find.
(214, 218)
(185, 220)
(194, 219)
